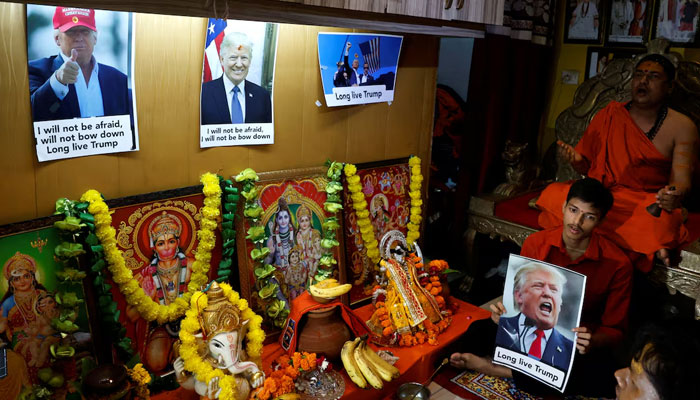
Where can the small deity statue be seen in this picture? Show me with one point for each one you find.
(404, 309)
(221, 345)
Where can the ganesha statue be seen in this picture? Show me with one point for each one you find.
(219, 346)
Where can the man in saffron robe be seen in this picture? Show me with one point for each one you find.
(643, 151)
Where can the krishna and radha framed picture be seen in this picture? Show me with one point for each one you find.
(291, 223)
(385, 187)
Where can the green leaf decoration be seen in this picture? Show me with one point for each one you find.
(221, 279)
(92, 239)
(335, 198)
(268, 290)
(82, 206)
(247, 174)
(225, 264)
(327, 260)
(231, 189)
(329, 243)
(251, 194)
(233, 198)
(229, 216)
(333, 187)
(70, 274)
(68, 250)
(330, 224)
(264, 272)
(228, 251)
(70, 224)
(228, 233)
(99, 265)
(90, 226)
(253, 212)
(96, 249)
(64, 206)
(275, 307)
(227, 225)
(87, 217)
(64, 326)
(256, 234)
(229, 243)
(332, 207)
(224, 273)
(231, 207)
(69, 299)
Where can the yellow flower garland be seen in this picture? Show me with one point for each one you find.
(129, 287)
(359, 204)
(202, 370)
(416, 201)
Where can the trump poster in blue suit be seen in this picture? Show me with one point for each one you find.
(543, 303)
(236, 105)
(80, 82)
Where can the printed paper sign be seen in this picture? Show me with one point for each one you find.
(236, 102)
(358, 68)
(534, 335)
(81, 81)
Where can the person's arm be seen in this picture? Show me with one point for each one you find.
(685, 151)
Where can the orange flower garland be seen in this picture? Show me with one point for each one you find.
(281, 380)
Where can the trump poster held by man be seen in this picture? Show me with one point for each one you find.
(543, 303)
(80, 81)
(236, 102)
(358, 68)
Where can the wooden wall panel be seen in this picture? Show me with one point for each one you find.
(168, 73)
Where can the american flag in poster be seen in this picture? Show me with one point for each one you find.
(215, 35)
(370, 53)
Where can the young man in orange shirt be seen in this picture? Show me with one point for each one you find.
(575, 245)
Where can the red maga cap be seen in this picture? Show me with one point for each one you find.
(67, 17)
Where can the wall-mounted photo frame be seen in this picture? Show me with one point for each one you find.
(677, 21)
(584, 21)
(28, 300)
(293, 214)
(599, 57)
(629, 22)
(385, 185)
(157, 235)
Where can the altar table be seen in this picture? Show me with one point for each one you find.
(416, 363)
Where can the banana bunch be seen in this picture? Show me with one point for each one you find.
(329, 289)
(363, 365)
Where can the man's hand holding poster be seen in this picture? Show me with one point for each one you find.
(542, 305)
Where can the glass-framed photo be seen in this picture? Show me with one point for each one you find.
(629, 22)
(677, 21)
(584, 21)
(599, 57)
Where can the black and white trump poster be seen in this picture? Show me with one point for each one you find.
(358, 68)
(81, 74)
(236, 105)
(543, 304)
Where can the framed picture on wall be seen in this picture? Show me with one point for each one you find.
(157, 235)
(599, 57)
(584, 21)
(385, 186)
(292, 218)
(677, 21)
(31, 305)
(629, 22)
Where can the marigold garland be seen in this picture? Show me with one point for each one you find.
(416, 201)
(129, 287)
(359, 204)
(202, 370)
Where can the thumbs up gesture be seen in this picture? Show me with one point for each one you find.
(68, 73)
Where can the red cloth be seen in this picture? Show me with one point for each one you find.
(628, 163)
(416, 363)
(517, 210)
(305, 303)
(608, 272)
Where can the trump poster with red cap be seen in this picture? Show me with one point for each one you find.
(81, 81)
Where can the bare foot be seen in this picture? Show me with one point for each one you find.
(665, 256)
(479, 364)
